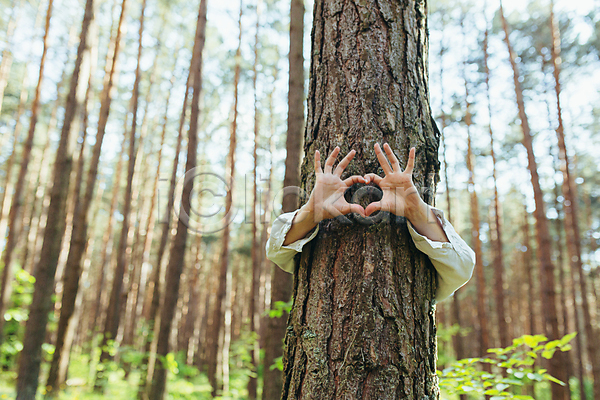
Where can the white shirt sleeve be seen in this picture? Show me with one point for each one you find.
(454, 261)
(282, 255)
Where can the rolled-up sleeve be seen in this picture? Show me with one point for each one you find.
(282, 255)
(454, 261)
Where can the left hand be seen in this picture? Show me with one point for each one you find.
(400, 196)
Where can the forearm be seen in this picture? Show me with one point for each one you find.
(303, 223)
(425, 222)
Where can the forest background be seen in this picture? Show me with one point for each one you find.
(243, 107)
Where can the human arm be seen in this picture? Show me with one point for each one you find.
(432, 234)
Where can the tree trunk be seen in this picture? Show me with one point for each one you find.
(153, 303)
(41, 304)
(570, 208)
(215, 330)
(14, 217)
(497, 231)
(484, 339)
(362, 324)
(111, 323)
(547, 281)
(281, 282)
(255, 250)
(178, 247)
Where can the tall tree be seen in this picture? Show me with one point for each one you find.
(111, 323)
(497, 232)
(14, 215)
(41, 304)
(255, 250)
(547, 281)
(217, 319)
(178, 246)
(281, 282)
(570, 210)
(483, 332)
(362, 323)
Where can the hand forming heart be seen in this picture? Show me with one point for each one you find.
(400, 195)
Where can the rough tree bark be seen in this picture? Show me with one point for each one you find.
(281, 282)
(362, 324)
(178, 246)
(547, 281)
(41, 304)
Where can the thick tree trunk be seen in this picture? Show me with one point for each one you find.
(281, 282)
(547, 281)
(178, 247)
(362, 324)
(14, 215)
(215, 330)
(111, 324)
(35, 330)
(570, 207)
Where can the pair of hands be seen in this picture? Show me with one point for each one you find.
(400, 196)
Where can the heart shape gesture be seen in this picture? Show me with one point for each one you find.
(400, 196)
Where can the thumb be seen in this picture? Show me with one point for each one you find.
(371, 208)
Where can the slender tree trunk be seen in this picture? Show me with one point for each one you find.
(484, 339)
(14, 216)
(111, 324)
(255, 250)
(362, 324)
(281, 282)
(547, 280)
(35, 330)
(497, 231)
(570, 207)
(178, 247)
(217, 319)
(154, 283)
(559, 224)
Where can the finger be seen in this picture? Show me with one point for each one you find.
(410, 165)
(382, 160)
(318, 169)
(376, 179)
(392, 157)
(347, 208)
(354, 179)
(344, 163)
(371, 208)
(331, 160)
(357, 209)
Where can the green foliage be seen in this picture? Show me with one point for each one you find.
(512, 368)
(15, 317)
(279, 307)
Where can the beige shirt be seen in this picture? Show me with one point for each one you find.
(454, 260)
